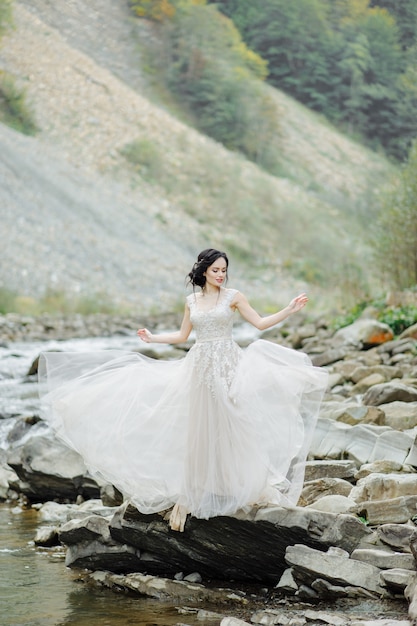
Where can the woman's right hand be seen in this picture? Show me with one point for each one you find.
(145, 335)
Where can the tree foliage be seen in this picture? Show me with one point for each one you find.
(352, 60)
(395, 241)
(207, 65)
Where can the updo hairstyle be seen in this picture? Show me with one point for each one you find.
(204, 260)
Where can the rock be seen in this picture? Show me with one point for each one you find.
(384, 559)
(315, 489)
(384, 487)
(395, 511)
(382, 467)
(249, 546)
(390, 392)
(366, 383)
(410, 593)
(167, 589)
(286, 582)
(329, 356)
(233, 621)
(397, 579)
(309, 564)
(333, 504)
(364, 332)
(397, 536)
(388, 372)
(400, 415)
(86, 529)
(413, 545)
(48, 469)
(7, 477)
(194, 577)
(46, 536)
(328, 618)
(316, 470)
(411, 331)
(110, 496)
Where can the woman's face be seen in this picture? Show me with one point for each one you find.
(216, 273)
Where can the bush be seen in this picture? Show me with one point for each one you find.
(144, 156)
(14, 110)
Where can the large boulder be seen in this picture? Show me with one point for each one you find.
(48, 469)
(364, 332)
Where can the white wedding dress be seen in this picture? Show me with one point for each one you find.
(216, 431)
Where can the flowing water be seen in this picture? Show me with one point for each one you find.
(36, 589)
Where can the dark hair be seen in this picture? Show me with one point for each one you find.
(204, 260)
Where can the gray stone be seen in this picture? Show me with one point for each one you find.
(397, 578)
(86, 529)
(309, 564)
(384, 559)
(315, 489)
(397, 536)
(384, 487)
(166, 589)
(48, 469)
(395, 511)
(46, 536)
(400, 415)
(316, 470)
(333, 504)
(383, 467)
(390, 392)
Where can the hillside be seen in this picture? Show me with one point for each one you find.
(78, 218)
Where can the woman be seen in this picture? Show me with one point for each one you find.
(219, 430)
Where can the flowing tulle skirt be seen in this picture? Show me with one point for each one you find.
(161, 435)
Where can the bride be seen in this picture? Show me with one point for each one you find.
(221, 429)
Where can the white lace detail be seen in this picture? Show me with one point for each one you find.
(216, 354)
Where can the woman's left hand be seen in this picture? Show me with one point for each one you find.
(298, 303)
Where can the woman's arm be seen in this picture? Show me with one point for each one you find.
(178, 336)
(248, 313)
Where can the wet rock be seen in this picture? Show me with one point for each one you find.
(249, 546)
(47, 536)
(48, 469)
(167, 589)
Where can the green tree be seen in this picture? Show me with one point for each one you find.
(395, 240)
(405, 14)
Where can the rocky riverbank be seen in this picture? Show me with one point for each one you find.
(352, 541)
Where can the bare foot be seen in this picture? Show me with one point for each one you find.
(178, 517)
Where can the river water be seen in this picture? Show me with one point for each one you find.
(36, 589)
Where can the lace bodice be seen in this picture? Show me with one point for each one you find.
(217, 322)
(216, 354)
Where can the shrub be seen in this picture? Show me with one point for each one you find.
(14, 110)
(144, 156)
